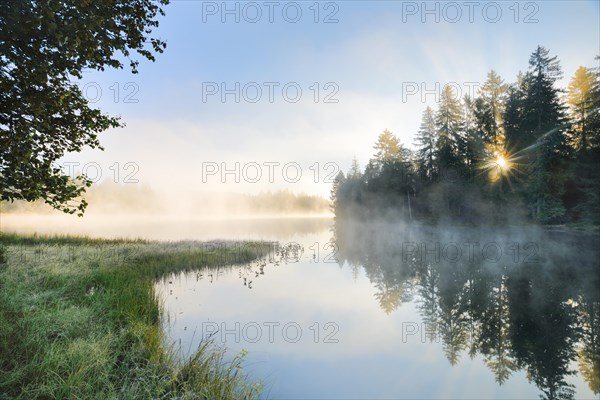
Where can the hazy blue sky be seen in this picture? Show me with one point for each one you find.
(376, 56)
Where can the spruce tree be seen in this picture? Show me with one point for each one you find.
(426, 142)
(535, 127)
(449, 127)
(489, 110)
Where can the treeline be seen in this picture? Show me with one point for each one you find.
(522, 151)
(263, 203)
(109, 198)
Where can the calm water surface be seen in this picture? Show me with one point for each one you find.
(385, 311)
(391, 311)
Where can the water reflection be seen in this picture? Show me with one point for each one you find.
(386, 310)
(523, 299)
(412, 312)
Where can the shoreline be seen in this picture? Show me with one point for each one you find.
(81, 328)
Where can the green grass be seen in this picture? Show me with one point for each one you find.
(80, 319)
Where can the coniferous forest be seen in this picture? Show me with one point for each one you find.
(522, 151)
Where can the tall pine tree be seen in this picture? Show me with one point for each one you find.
(426, 142)
(449, 124)
(490, 106)
(538, 137)
(583, 99)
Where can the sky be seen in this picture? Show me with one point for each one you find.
(284, 94)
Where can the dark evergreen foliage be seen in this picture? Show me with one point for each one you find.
(512, 153)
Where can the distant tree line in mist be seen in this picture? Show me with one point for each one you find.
(263, 203)
(103, 198)
(111, 198)
(522, 151)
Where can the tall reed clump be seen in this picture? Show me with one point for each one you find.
(80, 319)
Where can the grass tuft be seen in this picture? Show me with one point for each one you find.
(79, 318)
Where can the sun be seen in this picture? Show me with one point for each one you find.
(501, 162)
(498, 166)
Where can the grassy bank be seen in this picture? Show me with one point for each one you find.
(79, 319)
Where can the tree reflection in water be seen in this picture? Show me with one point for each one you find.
(530, 301)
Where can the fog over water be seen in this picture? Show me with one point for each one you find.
(380, 309)
(388, 310)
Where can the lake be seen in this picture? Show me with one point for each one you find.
(386, 310)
